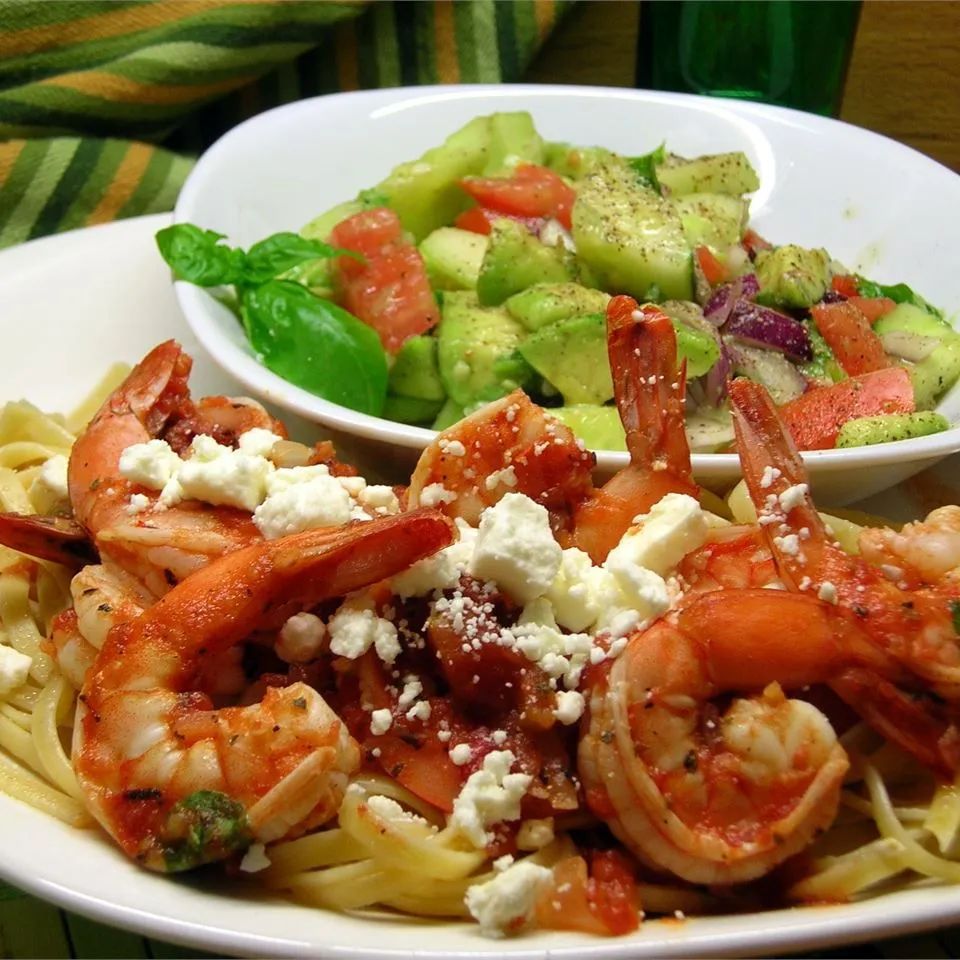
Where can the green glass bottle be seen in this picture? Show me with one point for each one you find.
(790, 52)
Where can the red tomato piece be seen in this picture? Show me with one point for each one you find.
(425, 770)
(713, 268)
(389, 289)
(848, 332)
(753, 243)
(532, 191)
(815, 418)
(481, 220)
(613, 891)
(873, 308)
(845, 285)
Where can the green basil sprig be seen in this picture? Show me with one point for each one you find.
(645, 167)
(307, 340)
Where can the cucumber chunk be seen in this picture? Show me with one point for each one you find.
(886, 427)
(729, 173)
(415, 372)
(545, 303)
(453, 258)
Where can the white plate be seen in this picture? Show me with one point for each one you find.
(71, 305)
(875, 204)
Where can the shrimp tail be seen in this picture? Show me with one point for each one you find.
(642, 347)
(57, 539)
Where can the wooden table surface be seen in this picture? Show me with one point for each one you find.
(904, 77)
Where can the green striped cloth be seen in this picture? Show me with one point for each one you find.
(103, 104)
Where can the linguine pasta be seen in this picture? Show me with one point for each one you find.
(387, 847)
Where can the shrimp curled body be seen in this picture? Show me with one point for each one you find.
(178, 783)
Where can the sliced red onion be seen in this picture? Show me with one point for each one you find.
(718, 307)
(765, 327)
(908, 346)
(772, 369)
(715, 379)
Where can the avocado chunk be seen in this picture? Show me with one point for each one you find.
(415, 372)
(598, 427)
(939, 370)
(729, 173)
(572, 355)
(453, 257)
(712, 219)
(887, 427)
(513, 139)
(792, 276)
(573, 162)
(546, 303)
(450, 413)
(629, 236)
(412, 410)
(471, 339)
(697, 340)
(516, 260)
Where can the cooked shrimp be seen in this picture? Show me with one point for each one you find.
(649, 391)
(717, 797)
(178, 783)
(57, 539)
(159, 547)
(508, 446)
(913, 697)
(103, 597)
(928, 550)
(733, 558)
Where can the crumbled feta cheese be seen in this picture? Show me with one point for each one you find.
(301, 498)
(570, 706)
(380, 721)
(49, 488)
(461, 754)
(258, 442)
(827, 592)
(355, 486)
(223, 476)
(379, 499)
(507, 477)
(152, 464)
(435, 494)
(412, 688)
(501, 863)
(355, 627)
(301, 638)
(560, 655)
(793, 497)
(138, 503)
(506, 902)
(440, 571)
(255, 859)
(789, 544)
(661, 538)
(579, 591)
(515, 548)
(14, 669)
(388, 809)
(490, 795)
(770, 476)
(499, 737)
(453, 448)
(421, 710)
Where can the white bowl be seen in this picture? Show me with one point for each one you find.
(878, 206)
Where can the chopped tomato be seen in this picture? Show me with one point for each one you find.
(389, 289)
(481, 220)
(713, 268)
(848, 332)
(753, 243)
(845, 285)
(425, 770)
(873, 308)
(532, 191)
(601, 902)
(815, 418)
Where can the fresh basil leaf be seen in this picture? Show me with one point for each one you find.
(897, 292)
(316, 345)
(198, 256)
(283, 251)
(646, 166)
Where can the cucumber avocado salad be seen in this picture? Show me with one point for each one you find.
(487, 264)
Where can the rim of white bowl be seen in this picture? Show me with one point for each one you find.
(196, 303)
